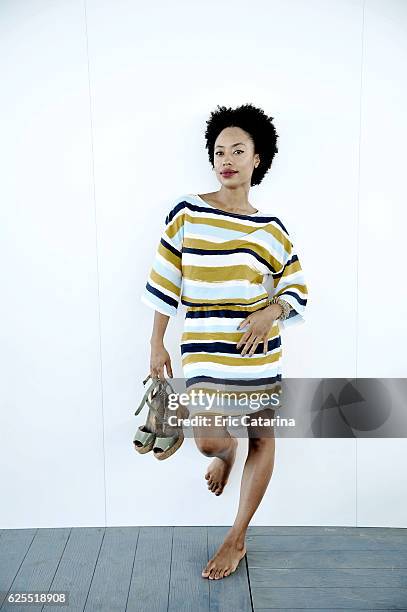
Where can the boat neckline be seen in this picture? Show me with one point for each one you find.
(227, 212)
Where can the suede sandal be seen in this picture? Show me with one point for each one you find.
(157, 435)
(145, 435)
(172, 436)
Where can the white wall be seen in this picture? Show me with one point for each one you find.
(103, 120)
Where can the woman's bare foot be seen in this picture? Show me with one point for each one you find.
(219, 469)
(225, 560)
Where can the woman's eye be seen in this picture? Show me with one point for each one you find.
(237, 151)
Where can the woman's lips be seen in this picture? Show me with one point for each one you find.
(229, 173)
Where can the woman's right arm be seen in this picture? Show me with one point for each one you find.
(159, 356)
(162, 291)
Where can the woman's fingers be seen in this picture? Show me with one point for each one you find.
(252, 343)
(157, 372)
(248, 344)
(254, 346)
(169, 368)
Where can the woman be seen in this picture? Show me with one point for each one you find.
(219, 248)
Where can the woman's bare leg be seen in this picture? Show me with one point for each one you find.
(255, 478)
(216, 441)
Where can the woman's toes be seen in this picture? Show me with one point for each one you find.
(217, 574)
(205, 572)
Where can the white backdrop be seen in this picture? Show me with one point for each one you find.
(103, 112)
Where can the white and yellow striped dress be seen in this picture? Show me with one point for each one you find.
(215, 263)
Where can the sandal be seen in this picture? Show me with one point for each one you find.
(157, 435)
(171, 438)
(145, 435)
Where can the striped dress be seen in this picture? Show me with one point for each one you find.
(216, 263)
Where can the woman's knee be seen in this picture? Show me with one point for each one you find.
(211, 446)
(261, 443)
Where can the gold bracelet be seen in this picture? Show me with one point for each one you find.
(286, 307)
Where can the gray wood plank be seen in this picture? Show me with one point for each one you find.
(188, 590)
(334, 530)
(331, 559)
(320, 542)
(232, 592)
(323, 609)
(331, 598)
(39, 564)
(150, 581)
(14, 545)
(310, 577)
(77, 565)
(110, 585)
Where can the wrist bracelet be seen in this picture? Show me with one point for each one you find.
(286, 307)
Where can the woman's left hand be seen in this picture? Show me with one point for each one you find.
(260, 324)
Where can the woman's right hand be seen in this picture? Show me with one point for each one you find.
(159, 358)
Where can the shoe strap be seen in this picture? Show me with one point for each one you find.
(149, 390)
(155, 383)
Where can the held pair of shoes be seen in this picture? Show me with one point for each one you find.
(156, 434)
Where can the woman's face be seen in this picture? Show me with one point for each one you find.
(234, 150)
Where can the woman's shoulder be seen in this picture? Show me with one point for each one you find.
(178, 206)
(183, 201)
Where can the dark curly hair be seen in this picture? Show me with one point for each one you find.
(256, 123)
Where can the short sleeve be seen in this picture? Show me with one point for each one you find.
(288, 279)
(163, 287)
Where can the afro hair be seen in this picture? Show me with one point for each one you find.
(253, 121)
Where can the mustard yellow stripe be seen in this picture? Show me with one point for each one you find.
(242, 224)
(163, 282)
(223, 222)
(175, 225)
(225, 360)
(223, 336)
(242, 306)
(279, 235)
(222, 273)
(169, 256)
(292, 268)
(260, 250)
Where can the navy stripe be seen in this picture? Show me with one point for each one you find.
(175, 210)
(198, 208)
(170, 247)
(224, 312)
(229, 252)
(300, 300)
(289, 262)
(224, 347)
(165, 298)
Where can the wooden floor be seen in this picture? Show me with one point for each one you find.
(158, 569)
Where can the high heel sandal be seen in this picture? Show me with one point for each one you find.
(157, 435)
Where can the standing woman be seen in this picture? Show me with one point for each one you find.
(213, 256)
